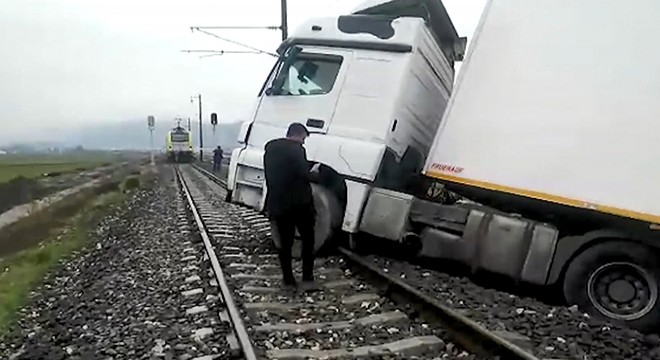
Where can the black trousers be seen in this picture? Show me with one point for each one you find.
(287, 224)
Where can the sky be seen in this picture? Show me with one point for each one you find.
(67, 64)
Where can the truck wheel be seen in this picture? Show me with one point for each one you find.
(616, 280)
(228, 196)
(328, 220)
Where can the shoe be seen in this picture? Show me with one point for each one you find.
(310, 286)
(289, 284)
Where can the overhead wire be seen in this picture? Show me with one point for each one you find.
(257, 50)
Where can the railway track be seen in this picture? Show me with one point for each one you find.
(361, 311)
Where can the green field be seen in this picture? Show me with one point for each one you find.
(49, 237)
(20, 272)
(32, 166)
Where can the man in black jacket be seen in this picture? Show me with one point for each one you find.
(217, 159)
(289, 199)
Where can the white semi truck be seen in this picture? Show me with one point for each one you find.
(371, 89)
(550, 139)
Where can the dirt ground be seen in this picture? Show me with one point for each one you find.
(30, 230)
(21, 190)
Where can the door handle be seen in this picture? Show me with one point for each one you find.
(315, 123)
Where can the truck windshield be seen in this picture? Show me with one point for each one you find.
(309, 74)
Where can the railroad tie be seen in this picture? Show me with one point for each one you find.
(406, 347)
(376, 319)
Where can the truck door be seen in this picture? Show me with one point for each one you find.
(305, 89)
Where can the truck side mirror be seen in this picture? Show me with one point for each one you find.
(244, 133)
(460, 46)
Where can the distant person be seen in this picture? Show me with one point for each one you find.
(289, 201)
(217, 159)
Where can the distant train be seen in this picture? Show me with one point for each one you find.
(179, 145)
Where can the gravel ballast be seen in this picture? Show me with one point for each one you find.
(246, 253)
(139, 290)
(550, 332)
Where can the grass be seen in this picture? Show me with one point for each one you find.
(32, 166)
(90, 156)
(22, 271)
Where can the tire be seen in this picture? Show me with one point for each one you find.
(228, 196)
(328, 220)
(607, 277)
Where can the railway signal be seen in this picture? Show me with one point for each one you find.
(214, 121)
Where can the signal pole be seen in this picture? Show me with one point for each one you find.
(151, 123)
(201, 135)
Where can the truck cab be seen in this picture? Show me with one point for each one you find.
(371, 87)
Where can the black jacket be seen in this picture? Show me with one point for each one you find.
(287, 178)
(217, 155)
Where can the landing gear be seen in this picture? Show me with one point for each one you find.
(354, 244)
(618, 281)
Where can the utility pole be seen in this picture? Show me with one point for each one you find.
(284, 27)
(201, 135)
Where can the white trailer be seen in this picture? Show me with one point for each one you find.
(371, 87)
(553, 128)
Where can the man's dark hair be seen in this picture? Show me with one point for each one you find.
(297, 129)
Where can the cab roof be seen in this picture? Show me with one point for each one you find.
(433, 11)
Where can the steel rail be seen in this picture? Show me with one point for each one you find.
(465, 331)
(210, 175)
(234, 313)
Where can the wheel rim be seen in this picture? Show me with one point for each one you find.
(622, 291)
